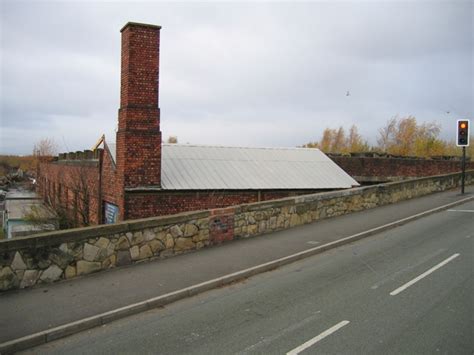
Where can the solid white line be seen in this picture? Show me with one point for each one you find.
(321, 336)
(469, 211)
(423, 275)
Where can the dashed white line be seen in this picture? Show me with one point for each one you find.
(423, 275)
(317, 338)
(467, 211)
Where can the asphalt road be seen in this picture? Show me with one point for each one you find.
(29, 311)
(409, 290)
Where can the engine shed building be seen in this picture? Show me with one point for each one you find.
(136, 176)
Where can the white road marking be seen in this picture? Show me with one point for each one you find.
(265, 341)
(468, 211)
(391, 276)
(423, 275)
(313, 242)
(317, 338)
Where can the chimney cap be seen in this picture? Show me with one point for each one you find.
(138, 24)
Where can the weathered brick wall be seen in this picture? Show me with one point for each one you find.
(49, 257)
(140, 205)
(71, 186)
(390, 168)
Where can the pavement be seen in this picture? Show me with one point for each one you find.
(407, 290)
(29, 311)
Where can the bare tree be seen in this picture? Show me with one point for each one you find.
(387, 133)
(45, 149)
(72, 197)
(83, 186)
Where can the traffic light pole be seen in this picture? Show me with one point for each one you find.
(463, 167)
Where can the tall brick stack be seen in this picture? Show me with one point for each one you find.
(139, 136)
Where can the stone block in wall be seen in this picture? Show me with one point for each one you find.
(148, 235)
(51, 274)
(135, 238)
(102, 243)
(295, 220)
(190, 230)
(91, 252)
(145, 252)
(183, 244)
(30, 277)
(135, 252)
(156, 246)
(110, 262)
(123, 243)
(87, 267)
(176, 231)
(60, 258)
(8, 279)
(70, 272)
(18, 263)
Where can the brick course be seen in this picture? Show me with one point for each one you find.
(162, 203)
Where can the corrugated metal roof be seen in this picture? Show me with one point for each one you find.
(193, 167)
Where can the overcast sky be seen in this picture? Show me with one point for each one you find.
(236, 73)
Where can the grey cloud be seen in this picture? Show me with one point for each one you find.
(276, 73)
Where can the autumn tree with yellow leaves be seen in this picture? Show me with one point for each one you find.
(336, 141)
(400, 136)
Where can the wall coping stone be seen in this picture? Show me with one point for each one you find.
(79, 234)
(288, 201)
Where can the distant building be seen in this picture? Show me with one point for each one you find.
(19, 205)
(137, 176)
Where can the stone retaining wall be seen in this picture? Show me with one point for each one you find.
(49, 257)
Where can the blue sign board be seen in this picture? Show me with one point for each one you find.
(111, 213)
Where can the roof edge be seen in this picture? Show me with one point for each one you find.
(237, 147)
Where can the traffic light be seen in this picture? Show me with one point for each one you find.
(462, 138)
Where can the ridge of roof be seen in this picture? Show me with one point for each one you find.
(237, 147)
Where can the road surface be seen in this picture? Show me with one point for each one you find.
(408, 290)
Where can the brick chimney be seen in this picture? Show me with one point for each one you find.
(139, 136)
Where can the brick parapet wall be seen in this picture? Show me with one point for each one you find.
(49, 257)
(148, 204)
(390, 168)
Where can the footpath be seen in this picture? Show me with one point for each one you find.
(29, 311)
